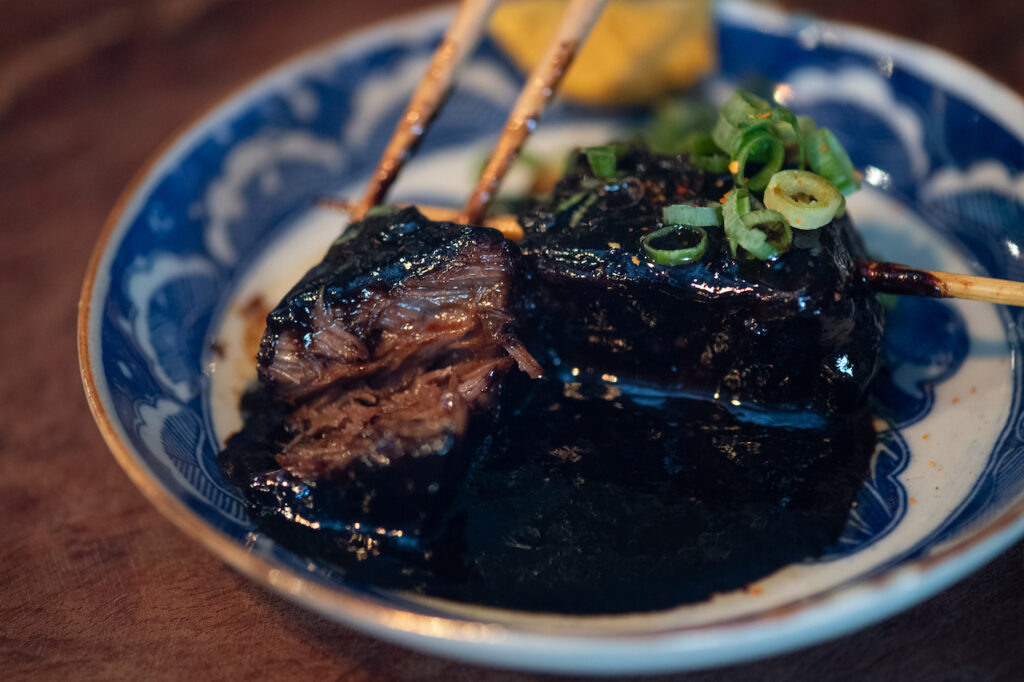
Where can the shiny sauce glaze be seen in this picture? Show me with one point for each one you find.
(584, 499)
(696, 428)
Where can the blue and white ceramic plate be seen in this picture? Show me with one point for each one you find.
(227, 215)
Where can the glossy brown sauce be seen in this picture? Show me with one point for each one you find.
(585, 499)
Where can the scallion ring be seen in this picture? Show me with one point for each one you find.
(759, 146)
(381, 209)
(602, 160)
(788, 130)
(807, 200)
(692, 214)
(667, 253)
(761, 234)
(766, 234)
(729, 136)
(737, 202)
(806, 126)
(743, 106)
(707, 155)
(570, 201)
(828, 158)
(581, 210)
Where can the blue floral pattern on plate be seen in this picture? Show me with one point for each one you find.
(925, 343)
(229, 188)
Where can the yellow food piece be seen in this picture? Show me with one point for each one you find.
(638, 50)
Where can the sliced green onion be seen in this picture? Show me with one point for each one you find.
(762, 234)
(743, 106)
(602, 160)
(747, 120)
(381, 209)
(581, 210)
(726, 135)
(828, 158)
(767, 234)
(674, 122)
(706, 155)
(808, 201)
(737, 202)
(759, 146)
(671, 256)
(693, 215)
(729, 136)
(793, 142)
(742, 110)
(619, 147)
(806, 125)
(788, 130)
(570, 202)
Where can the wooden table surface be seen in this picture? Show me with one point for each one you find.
(94, 583)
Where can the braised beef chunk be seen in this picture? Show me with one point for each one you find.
(377, 361)
(617, 503)
(800, 334)
(696, 428)
(396, 293)
(584, 499)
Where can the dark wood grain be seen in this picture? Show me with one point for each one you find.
(94, 583)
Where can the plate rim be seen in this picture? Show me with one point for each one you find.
(807, 620)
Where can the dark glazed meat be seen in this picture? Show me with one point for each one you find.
(699, 427)
(379, 358)
(615, 503)
(801, 334)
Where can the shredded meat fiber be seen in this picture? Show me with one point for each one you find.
(399, 370)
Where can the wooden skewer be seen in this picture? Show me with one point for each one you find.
(891, 278)
(579, 18)
(459, 41)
